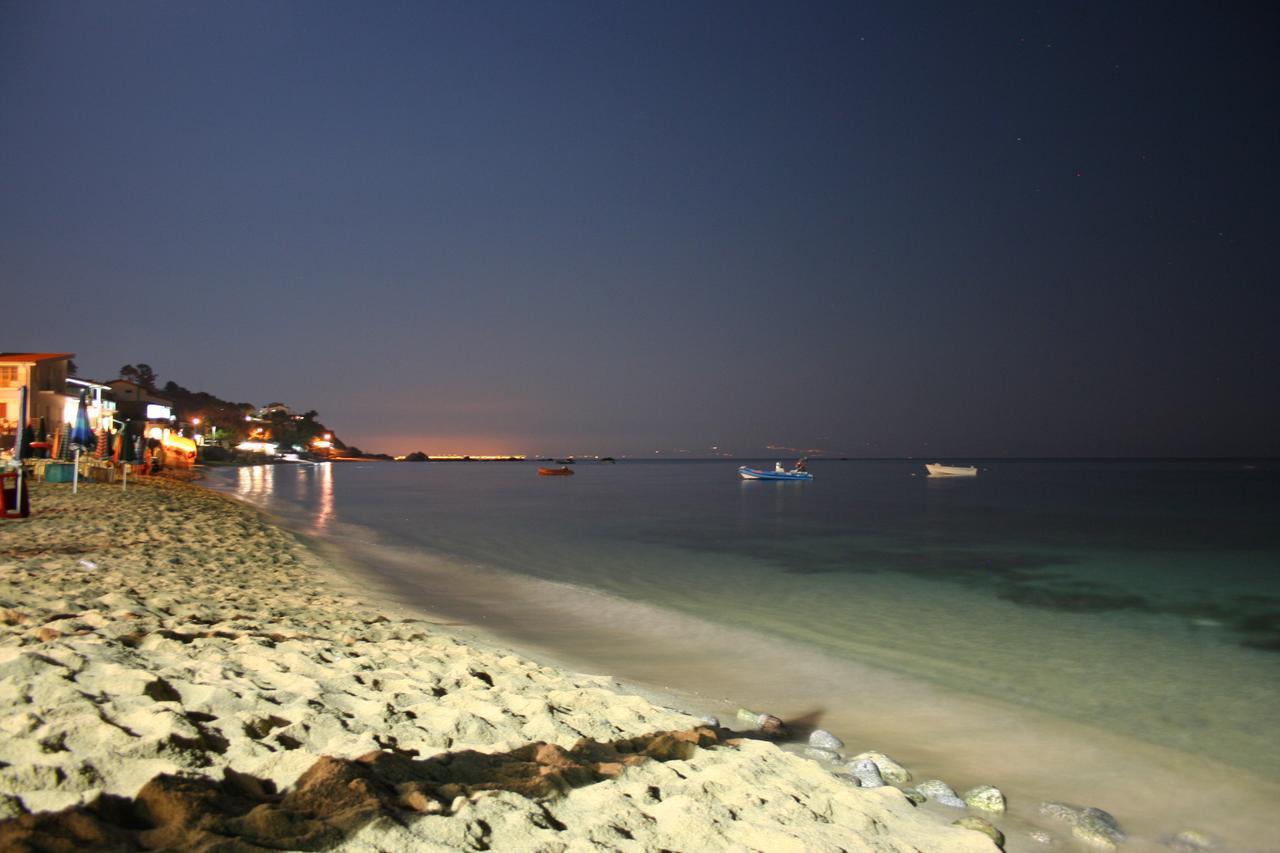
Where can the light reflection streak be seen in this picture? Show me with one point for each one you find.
(324, 515)
(256, 483)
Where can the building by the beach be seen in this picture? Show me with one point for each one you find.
(45, 376)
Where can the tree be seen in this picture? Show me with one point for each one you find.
(146, 377)
(141, 374)
(72, 370)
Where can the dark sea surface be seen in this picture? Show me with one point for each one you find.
(1138, 598)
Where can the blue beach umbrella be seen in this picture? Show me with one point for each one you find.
(81, 438)
(80, 433)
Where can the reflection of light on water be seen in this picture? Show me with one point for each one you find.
(255, 482)
(324, 515)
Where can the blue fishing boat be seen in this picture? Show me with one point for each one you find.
(778, 473)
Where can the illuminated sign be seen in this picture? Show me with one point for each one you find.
(158, 413)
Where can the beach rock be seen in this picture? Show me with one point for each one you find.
(914, 797)
(982, 825)
(985, 798)
(1192, 841)
(866, 772)
(891, 770)
(1040, 836)
(941, 793)
(823, 739)
(821, 754)
(1089, 825)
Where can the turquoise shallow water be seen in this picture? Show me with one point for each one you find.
(1152, 573)
(1142, 598)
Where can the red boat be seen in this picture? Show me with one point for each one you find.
(566, 471)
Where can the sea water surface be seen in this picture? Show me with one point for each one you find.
(1105, 631)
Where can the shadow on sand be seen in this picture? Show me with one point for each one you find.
(334, 797)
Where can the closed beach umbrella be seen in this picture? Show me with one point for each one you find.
(81, 434)
(81, 438)
(126, 443)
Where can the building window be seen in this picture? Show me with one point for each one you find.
(8, 375)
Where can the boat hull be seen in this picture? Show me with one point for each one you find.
(936, 470)
(758, 474)
(555, 472)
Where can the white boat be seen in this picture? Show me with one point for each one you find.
(936, 470)
(778, 473)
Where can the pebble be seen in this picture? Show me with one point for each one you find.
(1089, 825)
(985, 798)
(866, 772)
(1192, 841)
(982, 825)
(821, 754)
(823, 739)
(941, 793)
(891, 770)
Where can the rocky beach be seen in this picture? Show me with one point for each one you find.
(178, 673)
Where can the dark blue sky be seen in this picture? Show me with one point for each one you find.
(947, 229)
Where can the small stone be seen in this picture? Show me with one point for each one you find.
(866, 772)
(1192, 841)
(821, 754)
(982, 825)
(941, 793)
(823, 739)
(985, 798)
(1040, 836)
(915, 797)
(1089, 825)
(891, 770)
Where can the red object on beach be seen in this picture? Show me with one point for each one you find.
(566, 471)
(13, 504)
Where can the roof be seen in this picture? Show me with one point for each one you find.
(25, 357)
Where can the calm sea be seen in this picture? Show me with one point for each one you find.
(1132, 608)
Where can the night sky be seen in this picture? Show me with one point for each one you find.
(944, 229)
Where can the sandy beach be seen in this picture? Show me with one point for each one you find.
(177, 673)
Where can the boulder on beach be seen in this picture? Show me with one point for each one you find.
(823, 739)
(1092, 826)
(982, 825)
(941, 793)
(821, 754)
(985, 798)
(891, 770)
